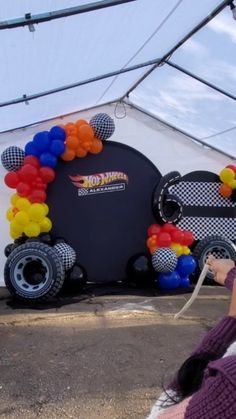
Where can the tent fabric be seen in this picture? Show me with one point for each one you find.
(73, 49)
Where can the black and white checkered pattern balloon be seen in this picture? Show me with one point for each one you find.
(164, 260)
(67, 254)
(12, 158)
(103, 125)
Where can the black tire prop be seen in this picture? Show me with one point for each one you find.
(34, 271)
(218, 246)
(167, 208)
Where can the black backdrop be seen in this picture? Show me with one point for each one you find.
(107, 227)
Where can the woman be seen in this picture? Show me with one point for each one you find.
(205, 385)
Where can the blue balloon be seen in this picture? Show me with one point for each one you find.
(169, 280)
(42, 141)
(184, 282)
(57, 133)
(30, 150)
(186, 265)
(48, 159)
(57, 147)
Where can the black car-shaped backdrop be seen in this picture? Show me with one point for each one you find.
(210, 216)
(101, 207)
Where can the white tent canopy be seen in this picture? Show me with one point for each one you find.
(164, 70)
(92, 45)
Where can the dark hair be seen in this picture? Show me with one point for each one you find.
(189, 377)
(190, 374)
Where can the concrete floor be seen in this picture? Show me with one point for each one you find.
(106, 356)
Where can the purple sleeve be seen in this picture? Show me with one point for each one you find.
(229, 282)
(216, 341)
(217, 396)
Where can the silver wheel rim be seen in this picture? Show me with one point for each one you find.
(20, 282)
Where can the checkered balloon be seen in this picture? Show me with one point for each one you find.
(103, 125)
(164, 260)
(12, 158)
(67, 254)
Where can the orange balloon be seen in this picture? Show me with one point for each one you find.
(81, 152)
(225, 190)
(85, 132)
(153, 249)
(96, 146)
(72, 142)
(70, 129)
(81, 122)
(68, 155)
(87, 145)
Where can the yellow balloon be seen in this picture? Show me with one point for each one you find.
(232, 184)
(22, 218)
(46, 208)
(32, 229)
(17, 228)
(23, 204)
(14, 199)
(226, 175)
(36, 212)
(10, 214)
(177, 248)
(14, 235)
(186, 250)
(45, 225)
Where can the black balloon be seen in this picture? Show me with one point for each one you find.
(76, 279)
(46, 238)
(233, 196)
(21, 240)
(8, 249)
(140, 271)
(58, 240)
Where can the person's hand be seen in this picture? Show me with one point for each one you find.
(220, 268)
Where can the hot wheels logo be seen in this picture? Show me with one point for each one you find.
(100, 183)
(98, 179)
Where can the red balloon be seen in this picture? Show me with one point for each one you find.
(47, 174)
(164, 240)
(38, 196)
(11, 179)
(232, 167)
(42, 186)
(23, 189)
(168, 228)
(188, 238)
(32, 160)
(177, 236)
(28, 173)
(153, 229)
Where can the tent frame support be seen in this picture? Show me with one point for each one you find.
(153, 63)
(166, 57)
(176, 129)
(203, 81)
(26, 98)
(58, 14)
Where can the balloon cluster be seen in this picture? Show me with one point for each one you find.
(31, 180)
(84, 137)
(228, 185)
(170, 236)
(171, 256)
(80, 140)
(32, 169)
(27, 218)
(47, 146)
